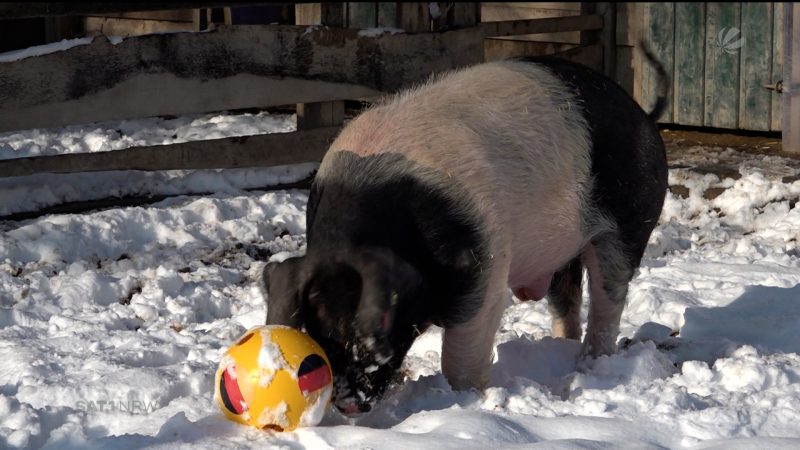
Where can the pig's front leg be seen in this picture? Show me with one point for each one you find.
(467, 348)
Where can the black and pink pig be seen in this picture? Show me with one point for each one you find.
(428, 207)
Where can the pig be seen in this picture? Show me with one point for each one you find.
(429, 206)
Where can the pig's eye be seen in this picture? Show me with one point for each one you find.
(322, 313)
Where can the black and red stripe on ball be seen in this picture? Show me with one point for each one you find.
(313, 374)
(230, 393)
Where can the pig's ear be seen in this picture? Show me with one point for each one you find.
(284, 284)
(387, 279)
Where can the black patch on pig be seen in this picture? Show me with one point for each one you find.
(629, 163)
(387, 201)
(384, 232)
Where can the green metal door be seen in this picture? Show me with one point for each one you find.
(721, 57)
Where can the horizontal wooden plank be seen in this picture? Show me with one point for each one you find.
(19, 10)
(589, 55)
(246, 151)
(110, 26)
(80, 207)
(572, 37)
(499, 49)
(549, 25)
(172, 15)
(151, 95)
(517, 6)
(491, 13)
(234, 67)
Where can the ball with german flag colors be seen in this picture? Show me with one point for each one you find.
(274, 377)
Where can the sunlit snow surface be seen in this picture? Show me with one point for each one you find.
(25, 194)
(113, 322)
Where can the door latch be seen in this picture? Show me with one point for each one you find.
(777, 87)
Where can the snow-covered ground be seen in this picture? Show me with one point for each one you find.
(19, 195)
(112, 322)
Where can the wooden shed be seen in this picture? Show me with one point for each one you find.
(731, 63)
(725, 58)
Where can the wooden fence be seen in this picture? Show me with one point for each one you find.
(233, 67)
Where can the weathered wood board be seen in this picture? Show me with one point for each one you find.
(791, 78)
(246, 151)
(689, 63)
(539, 26)
(229, 68)
(755, 66)
(722, 65)
(17, 10)
(362, 14)
(777, 65)
(661, 41)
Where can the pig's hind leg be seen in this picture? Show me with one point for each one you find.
(630, 184)
(564, 300)
(609, 273)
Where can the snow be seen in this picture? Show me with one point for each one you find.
(318, 403)
(66, 44)
(135, 306)
(433, 9)
(44, 49)
(117, 135)
(378, 31)
(276, 416)
(44, 190)
(270, 359)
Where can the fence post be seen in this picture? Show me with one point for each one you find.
(414, 17)
(607, 37)
(791, 78)
(322, 114)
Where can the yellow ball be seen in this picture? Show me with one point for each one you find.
(274, 377)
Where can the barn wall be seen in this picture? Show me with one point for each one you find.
(720, 56)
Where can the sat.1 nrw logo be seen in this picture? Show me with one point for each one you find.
(730, 40)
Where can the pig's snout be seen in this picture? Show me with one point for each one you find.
(354, 409)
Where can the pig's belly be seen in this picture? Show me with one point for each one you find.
(532, 267)
(534, 289)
